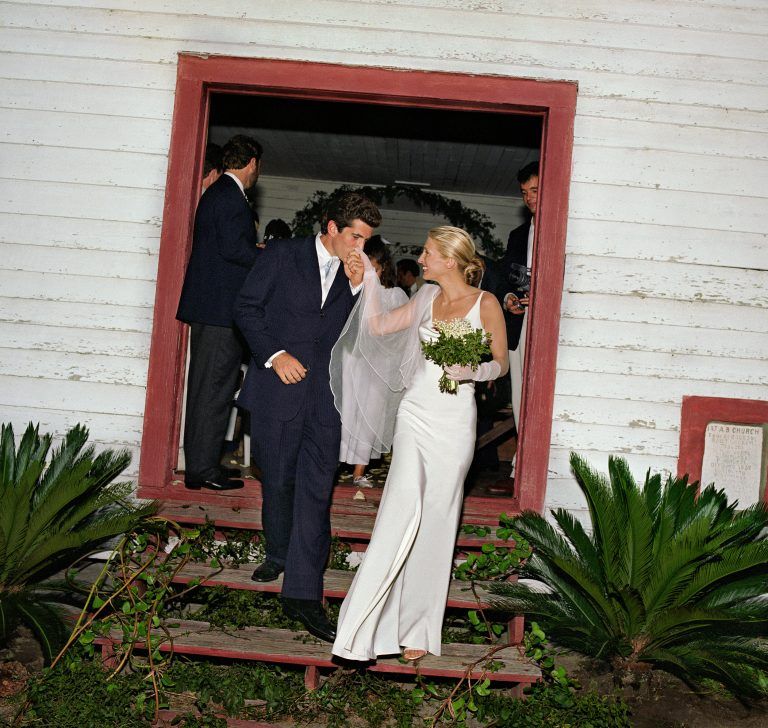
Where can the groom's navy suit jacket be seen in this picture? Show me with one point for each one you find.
(279, 308)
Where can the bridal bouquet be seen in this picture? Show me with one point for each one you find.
(457, 343)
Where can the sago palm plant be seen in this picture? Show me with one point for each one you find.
(54, 510)
(664, 579)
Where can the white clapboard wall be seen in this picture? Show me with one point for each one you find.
(666, 289)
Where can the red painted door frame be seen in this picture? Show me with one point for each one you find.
(198, 76)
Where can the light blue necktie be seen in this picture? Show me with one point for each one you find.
(327, 269)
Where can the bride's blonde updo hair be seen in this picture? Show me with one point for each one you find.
(455, 243)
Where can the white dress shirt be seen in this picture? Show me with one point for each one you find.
(531, 231)
(239, 183)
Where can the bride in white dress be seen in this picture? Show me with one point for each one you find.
(398, 595)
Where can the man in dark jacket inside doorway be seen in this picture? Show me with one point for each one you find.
(515, 300)
(223, 251)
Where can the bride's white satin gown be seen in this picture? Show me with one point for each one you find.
(399, 592)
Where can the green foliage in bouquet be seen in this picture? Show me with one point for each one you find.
(664, 579)
(54, 511)
(457, 343)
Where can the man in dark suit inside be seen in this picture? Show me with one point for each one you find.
(291, 311)
(223, 251)
(515, 300)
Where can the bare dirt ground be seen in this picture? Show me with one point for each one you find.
(663, 701)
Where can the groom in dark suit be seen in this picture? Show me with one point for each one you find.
(291, 311)
(223, 251)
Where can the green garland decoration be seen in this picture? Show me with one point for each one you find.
(478, 225)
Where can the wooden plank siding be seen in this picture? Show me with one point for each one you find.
(666, 284)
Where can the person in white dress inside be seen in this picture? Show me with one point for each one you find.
(397, 599)
(377, 250)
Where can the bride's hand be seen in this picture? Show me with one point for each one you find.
(485, 372)
(459, 373)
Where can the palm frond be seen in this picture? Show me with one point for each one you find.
(14, 525)
(580, 542)
(652, 493)
(8, 619)
(722, 663)
(747, 560)
(674, 568)
(64, 546)
(636, 548)
(63, 458)
(734, 593)
(45, 620)
(632, 613)
(573, 630)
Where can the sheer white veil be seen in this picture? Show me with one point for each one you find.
(374, 360)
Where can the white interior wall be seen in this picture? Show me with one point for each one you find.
(283, 196)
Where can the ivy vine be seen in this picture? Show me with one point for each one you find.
(477, 224)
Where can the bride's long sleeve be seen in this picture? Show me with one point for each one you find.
(374, 360)
(378, 317)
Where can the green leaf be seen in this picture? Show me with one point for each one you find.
(484, 688)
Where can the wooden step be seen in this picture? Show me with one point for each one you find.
(477, 509)
(299, 648)
(336, 583)
(344, 525)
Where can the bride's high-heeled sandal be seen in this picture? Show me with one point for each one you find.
(412, 654)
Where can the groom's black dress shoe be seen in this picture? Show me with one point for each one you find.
(219, 482)
(268, 571)
(312, 615)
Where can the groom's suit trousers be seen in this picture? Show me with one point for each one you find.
(298, 460)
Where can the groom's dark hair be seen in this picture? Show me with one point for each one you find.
(347, 207)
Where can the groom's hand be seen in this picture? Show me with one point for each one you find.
(353, 268)
(288, 368)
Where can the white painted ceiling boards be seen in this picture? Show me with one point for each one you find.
(451, 151)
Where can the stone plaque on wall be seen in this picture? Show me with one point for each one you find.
(735, 460)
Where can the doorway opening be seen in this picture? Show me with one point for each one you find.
(460, 137)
